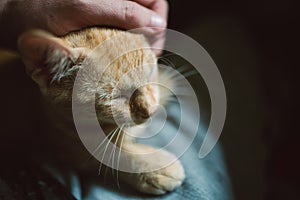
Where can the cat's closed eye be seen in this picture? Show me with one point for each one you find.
(123, 94)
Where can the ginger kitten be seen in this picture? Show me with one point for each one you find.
(122, 88)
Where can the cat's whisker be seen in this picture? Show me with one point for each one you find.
(182, 68)
(167, 62)
(171, 64)
(190, 73)
(118, 160)
(169, 74)
(110, 158)
(99, 146)
(113, 135)
(106, 169)
(163, 60)
(114, 150)
(175, 77)
(185, 75)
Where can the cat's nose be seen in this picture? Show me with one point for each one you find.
(139, 108)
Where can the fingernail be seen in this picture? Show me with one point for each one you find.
(157, 21)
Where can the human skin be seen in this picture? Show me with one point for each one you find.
(60, 17)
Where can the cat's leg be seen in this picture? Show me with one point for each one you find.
(157, 182)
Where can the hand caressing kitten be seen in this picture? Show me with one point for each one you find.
(53, 64)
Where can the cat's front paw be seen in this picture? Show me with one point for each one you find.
(163, 180)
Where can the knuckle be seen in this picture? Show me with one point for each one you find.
(130, 10)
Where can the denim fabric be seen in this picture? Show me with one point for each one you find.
(206, 178)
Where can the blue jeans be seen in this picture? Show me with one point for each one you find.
(206, 178)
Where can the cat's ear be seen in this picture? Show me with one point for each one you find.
(44, 55)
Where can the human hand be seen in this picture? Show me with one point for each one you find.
(62, 16)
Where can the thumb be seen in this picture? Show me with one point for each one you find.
(125, 14)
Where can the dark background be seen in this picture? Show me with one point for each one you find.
(255, 46)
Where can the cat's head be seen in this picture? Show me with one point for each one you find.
(120, 89)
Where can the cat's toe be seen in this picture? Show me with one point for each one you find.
(163, 180)
(149, 188)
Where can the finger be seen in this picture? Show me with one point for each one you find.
(157, 42)
(123, 14)
(158, 47)
(161, 7)
(136, 15)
